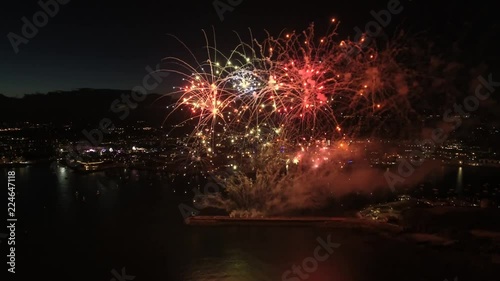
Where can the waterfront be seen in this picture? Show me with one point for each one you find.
(134, 222)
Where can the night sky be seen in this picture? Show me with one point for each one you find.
(104, 44)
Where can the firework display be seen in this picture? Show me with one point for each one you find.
(295, 92)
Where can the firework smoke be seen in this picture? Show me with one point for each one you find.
(297, 100)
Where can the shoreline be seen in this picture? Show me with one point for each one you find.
(290, 221)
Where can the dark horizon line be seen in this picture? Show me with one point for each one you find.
(21, 96)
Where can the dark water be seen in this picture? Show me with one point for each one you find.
(134, 223)
(467, 183)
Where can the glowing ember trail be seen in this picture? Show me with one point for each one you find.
(298, 99)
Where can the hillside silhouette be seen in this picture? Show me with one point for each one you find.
(83, 106)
